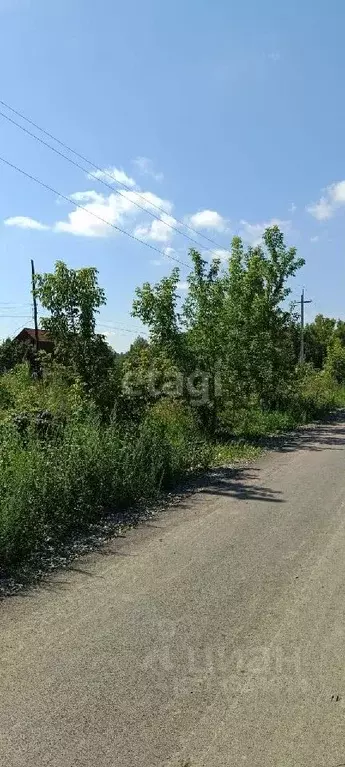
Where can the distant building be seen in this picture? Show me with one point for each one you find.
(27, 335)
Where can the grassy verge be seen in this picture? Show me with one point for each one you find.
(226, 453)
(53, 486)
(57, 479)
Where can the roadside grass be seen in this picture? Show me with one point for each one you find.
(227, 453)
(53, 487)
(58, 477)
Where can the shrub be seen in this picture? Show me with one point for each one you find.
(317, 393)
(335, 361)
(50, 487)
(253, 421)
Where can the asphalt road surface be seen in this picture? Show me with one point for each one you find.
(214, 635)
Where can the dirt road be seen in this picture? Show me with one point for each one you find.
(213, 635)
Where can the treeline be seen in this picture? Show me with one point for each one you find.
(85, 430)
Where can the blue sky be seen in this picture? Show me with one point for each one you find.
(226, 115)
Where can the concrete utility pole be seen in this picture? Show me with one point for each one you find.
(35, 303)
(303, 302)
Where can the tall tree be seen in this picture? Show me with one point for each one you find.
(259, 351)
(335, 360)
(203, 318)
(73, 297)
(237, 334)
(317, 337)
(156, 306)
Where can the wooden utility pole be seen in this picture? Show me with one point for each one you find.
(303, 302)
(33, 283)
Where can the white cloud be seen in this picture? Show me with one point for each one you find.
(94, 218)
(207, 219)
(328, 204)
(252, 233)
(156, 262)
(169, 251)
(321, 210)
(292, 208)
(83, 197)
(145, 166)
(337, 192)
(23, 222)
(113, 175)
(151, 202)
(182, 285)
(314, 239)
(159, 230)
(98, 211)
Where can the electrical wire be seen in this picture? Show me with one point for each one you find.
(110, 328)
(19, 328)
(104, 172)
(91, 213)
(108, 323)
(101, 181)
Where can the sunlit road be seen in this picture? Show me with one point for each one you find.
(214, 635)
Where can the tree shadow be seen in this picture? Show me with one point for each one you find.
(240, 483)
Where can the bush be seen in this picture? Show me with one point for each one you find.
(313, 395)
(253, 421)
(335, 361)
(49, 488)
(317, 393)
(61, 467)
(58, 391)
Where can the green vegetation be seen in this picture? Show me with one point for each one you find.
(85, 431)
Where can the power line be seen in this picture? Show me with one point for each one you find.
(110, 328)
(99, 170)
(91, 213)
(110, 324)
(19, 327)
(101, 181)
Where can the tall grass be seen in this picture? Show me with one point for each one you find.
(52, 486)
(62, 468)
(313, 396)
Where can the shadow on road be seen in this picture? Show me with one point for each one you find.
(327, 435)
(241, 484)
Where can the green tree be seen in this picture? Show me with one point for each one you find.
(317, 337)
(335, 360)
(205, 332)
(13, 353)
(237, 333)
(73, 297)
(156, 306)
(259, 354)
(340, 331)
